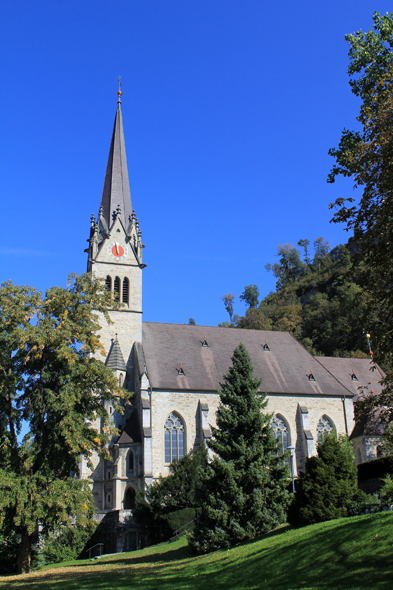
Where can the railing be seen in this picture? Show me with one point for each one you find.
(100, 545)
(182, 527)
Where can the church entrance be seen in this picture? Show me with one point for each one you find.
(129, 499)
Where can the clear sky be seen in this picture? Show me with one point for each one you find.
(229, 110)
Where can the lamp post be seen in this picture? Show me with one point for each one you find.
(292, 449)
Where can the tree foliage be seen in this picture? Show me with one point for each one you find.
(228, 300)
(250, 296)
(244, 492)
(366, 156)
(328, 485)
(172, 501)
(52, 386)
(324, 308)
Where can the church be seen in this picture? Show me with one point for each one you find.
(173, 371)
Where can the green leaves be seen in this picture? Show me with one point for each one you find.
(50, 381)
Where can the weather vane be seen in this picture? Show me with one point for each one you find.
(119, 92)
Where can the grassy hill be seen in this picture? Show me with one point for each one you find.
(346, 554)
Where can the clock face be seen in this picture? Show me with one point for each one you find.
(117, 250)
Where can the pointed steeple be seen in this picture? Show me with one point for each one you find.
(115, 358)
(116, 191)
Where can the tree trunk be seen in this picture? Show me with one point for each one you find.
(24, 559)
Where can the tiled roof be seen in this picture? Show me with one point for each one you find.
(115, 358)
(285, 368)
(116, 189)
(368, 374)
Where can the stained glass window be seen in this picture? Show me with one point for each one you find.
(174, 438)
(325, 425)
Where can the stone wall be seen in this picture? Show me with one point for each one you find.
(187, 405)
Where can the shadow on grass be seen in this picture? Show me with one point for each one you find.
(339, 555)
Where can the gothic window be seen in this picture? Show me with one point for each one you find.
(121, 380)
(126, 285)
(116, 288)
(325, 426)
(174, 438)
(108, 283)
(281, 433)
(130, 460)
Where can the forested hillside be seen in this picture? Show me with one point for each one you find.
(318, 299)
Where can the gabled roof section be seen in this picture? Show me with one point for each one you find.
(116, 191)
(361, 376)
(284, 368)
(115, 360)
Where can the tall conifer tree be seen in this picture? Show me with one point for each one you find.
(245, 487)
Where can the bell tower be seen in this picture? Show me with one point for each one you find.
(115, 250)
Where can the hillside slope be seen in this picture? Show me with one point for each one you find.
(346, 554)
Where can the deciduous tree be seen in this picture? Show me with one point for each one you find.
(52, 387)
(367, 157)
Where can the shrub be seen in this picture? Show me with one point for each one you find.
(329, 484)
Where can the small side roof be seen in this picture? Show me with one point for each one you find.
(115, 359)
(284, 368)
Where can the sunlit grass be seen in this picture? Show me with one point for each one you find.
(346, 554)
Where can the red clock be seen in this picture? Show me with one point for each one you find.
(117, 250)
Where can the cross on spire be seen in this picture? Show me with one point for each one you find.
(119, 92)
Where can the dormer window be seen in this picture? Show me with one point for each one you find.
(180, 371)
(204, 343)
(266, 346)
(353, 376)
(311, 376)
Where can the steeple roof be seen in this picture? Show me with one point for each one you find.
(115, 358)
(116, 191)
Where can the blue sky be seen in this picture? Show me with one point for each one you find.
(229, 110)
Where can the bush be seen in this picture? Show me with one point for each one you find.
(387, 490)
(326, 489)
(179, 518)
(363, 503)
(66, 544)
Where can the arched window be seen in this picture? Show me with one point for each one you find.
(121, 380)
(108, 283)
(325, 426)
(129, 499)
(116, 288)
(174, 438)
(281, 433)
(130, 460)
(126, 289)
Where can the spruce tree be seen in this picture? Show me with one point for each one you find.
(245, 484)
(328, 485)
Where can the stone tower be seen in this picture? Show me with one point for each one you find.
(115, 255)
(115, 251)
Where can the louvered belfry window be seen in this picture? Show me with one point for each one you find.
(116, 288)
(126, 285)
(108, 283)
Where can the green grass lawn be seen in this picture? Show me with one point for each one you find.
(346, 554)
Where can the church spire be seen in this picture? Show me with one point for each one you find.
(116, 191)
